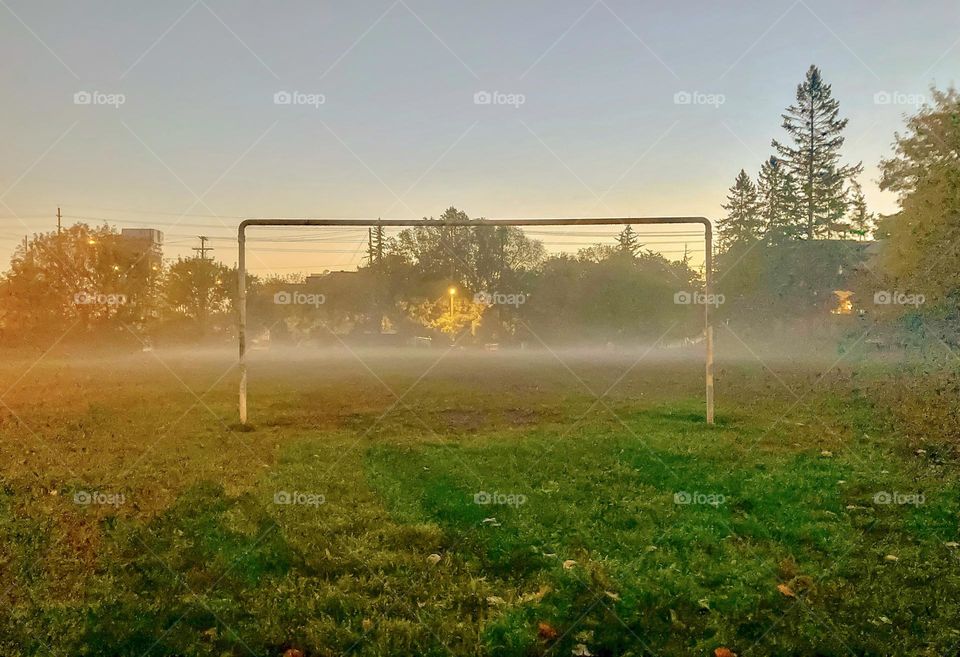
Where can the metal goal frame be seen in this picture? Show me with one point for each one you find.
(473, 223)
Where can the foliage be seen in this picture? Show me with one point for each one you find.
(922, 242)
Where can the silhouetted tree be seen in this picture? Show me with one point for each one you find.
(742, 223)
(813, 155)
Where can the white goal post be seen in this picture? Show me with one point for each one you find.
(473, 223)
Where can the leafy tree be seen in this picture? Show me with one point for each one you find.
(922, 246)
(198, 289)
(742, 223)
(813, 155)
(81, 276)
(482, 257)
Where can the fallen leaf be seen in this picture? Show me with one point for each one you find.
(826, 453)
(536, 596)
(891, 557)
(568, 564)
(612, 595)
(293, 652)
(366, 624)
(581, 650)
(952, 544)
(495, 600)
(433, 559)
(546, 631)
(786, 590)
(723, 651)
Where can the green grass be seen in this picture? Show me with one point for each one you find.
(401, 559)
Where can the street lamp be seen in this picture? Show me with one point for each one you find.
(453, 293)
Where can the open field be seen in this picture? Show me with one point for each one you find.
(136, 519)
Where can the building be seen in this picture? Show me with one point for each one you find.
(144, 245)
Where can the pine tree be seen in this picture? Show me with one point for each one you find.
(860, 220)
(628, 243)
(379, 242)
(778, 201)
(742, 223)
(814, 127)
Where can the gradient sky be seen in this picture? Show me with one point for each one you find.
(199, 140)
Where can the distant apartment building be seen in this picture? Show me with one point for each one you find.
(145, 245)
(143, 249)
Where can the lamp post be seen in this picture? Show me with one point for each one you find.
(453, 293)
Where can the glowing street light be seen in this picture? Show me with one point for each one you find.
(453, 292)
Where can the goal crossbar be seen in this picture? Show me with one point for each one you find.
(473, 223)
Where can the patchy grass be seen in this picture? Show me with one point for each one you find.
(624, 526)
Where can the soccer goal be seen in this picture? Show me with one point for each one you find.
(478, 223)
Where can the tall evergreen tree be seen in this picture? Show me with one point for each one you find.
(628, 243)
(813, 156)
(742, 223)
(859, 219)
(777, 194)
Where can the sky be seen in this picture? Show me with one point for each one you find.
(187, 115)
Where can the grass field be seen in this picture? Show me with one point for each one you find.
(467, 503)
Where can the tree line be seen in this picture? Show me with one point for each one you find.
(474, 284)
(803, 191)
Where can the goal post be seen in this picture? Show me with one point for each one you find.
(473, 223)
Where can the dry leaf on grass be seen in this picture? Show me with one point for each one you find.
(723, 651)
(546, 631)
(786, 590)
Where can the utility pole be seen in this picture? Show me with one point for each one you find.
(203, 281)
(203, 248)
(59, 225)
